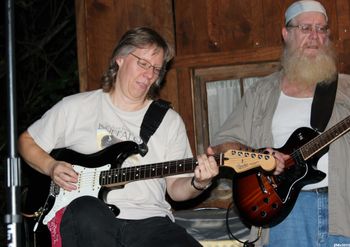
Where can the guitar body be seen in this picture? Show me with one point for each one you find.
(265, 200)
(89, 168)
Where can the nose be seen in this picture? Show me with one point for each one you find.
(313, 34)
(149, 73)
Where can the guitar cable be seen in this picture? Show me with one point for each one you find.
(232, 236)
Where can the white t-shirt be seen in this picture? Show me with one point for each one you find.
(292, 113)
(88, 122)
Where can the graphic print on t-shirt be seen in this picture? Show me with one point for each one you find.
(107, 135)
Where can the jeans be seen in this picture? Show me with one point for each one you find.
(307, 225)
(88, 222)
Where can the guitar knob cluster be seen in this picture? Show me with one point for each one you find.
(263, 214)
(255, 208)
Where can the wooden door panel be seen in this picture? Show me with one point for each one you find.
(101, 23)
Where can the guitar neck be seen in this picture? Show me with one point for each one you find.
(164, 169)
(326, 138)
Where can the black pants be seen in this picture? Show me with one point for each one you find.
(87, 221)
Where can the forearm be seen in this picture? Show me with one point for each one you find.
(35, 156)
(181, 189)
(60, 172)
(184, 188)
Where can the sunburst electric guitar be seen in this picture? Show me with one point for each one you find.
(100, 171)
(263, 199)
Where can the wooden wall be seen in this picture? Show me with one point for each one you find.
(207, 34)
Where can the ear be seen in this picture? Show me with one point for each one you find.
(285, 34)
(119, 61)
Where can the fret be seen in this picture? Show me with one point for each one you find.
(130, 174)
(172, 167)
(117, 175)
(124, 174)
(143, 173)
(135, 173)
(111, 177)
(127, 174)
(166, 170)
(325, 138)
(105, 178)
(102, 178)
(179, 167)
(153, 172)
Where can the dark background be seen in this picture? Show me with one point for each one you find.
(45, 70)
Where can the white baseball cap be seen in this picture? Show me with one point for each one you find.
(304, 6)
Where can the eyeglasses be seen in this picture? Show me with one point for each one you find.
(147, 65)
(308, 28)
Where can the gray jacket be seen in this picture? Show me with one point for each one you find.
(251, 122)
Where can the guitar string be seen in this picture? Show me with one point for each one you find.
(146, 171)
(91, 176)
(326, 137)
(135, 173)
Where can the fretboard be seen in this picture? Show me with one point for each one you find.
(164, 169)
(326, 138)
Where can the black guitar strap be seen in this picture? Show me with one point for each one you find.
(322, 104)
(151, 122)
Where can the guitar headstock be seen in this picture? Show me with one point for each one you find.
(242, 161)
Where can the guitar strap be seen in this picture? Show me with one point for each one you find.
(151, 122)
(322, 104)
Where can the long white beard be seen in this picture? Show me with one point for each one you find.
(305, 70)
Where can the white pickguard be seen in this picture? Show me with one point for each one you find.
(87, 185)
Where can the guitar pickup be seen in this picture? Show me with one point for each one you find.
(260, 182)
(271, 181)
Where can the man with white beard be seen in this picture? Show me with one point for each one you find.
(308, 92)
